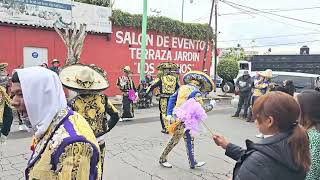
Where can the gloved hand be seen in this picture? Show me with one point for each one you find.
(170, 119)
(208, 107)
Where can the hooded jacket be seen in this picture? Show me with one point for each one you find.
(269, 159)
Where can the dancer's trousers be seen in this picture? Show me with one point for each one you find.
(189, 142)
(163, 103)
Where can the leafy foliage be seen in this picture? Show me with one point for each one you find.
(228, 68)
(236, 53)
(163, 25)
(105, 3)
(160, 24)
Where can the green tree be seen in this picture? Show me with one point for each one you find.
(236, 53)
(228, 68)
(105, 3)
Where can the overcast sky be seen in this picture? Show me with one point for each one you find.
(245, 26)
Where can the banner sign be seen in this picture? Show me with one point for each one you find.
(45, 13)
(185, 52)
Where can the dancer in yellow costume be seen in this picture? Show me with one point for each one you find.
(168, 83)
(89, 81)
(64, 145)
(6, 116)
(196, 83)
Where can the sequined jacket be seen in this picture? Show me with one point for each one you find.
(261, 88)
(94, 108)
(168, 85)
(68, 150)
(4, 97)
(184, 93)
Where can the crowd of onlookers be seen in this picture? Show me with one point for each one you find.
(289, 124)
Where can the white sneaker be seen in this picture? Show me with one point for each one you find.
(166, 165)
(3, 139)
(120, 120)
(259, 136)
(200, 164)
(21, 128)
(26, 128)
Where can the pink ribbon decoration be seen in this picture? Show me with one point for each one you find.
(191, 113)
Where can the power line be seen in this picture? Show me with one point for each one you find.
(276, 20)
(283, 44)
(273, 10)
(269, 37)
(286, 17)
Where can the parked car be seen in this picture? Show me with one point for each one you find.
(218, 81)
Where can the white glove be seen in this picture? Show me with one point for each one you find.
(170, 119)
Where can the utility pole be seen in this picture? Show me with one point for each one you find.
(143, 43)
(207, 40)
(182, 10)
(215, 44)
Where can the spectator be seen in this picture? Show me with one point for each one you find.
(244, 87)
(283, 154)
(310, 119)
(261, 87)
(149, 81)
(55, 66)
(317, 84)
(286, 87)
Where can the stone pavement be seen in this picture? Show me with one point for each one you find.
(133, 149)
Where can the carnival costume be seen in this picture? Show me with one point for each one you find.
(90, 102)
(6, 116)
(128, 89)
(64, 146)
(168, 82)
(184, 105)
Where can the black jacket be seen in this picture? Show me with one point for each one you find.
(289, 89)
(269, 159)
(245, 85)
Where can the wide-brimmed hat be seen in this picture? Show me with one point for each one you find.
(83, 77)
(127, 69)
(267, 73)
(3, 66)
(55, 60)
(168, 65)
(206, 82)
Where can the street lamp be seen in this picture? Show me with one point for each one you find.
(191, 1)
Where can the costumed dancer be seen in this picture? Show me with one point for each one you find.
(89, 82)
(64, 145)
(6, 116)
(196, 83)
(167, 82)
(128, 89)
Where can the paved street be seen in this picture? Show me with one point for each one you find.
(133, 149)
